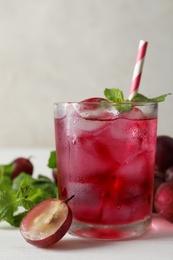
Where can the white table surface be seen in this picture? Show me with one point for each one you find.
(155, 244)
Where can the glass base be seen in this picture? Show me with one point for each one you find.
(110, 232)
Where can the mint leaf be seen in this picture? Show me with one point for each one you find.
(16, 219)
(48, 187)
(8, 205)
(6, 169)
(19, 195)
(5, 177)
(27, 196)
(24, 193)
(46, 184)
(141, 98)
(5, 183)
(114, 95)
(52, 160)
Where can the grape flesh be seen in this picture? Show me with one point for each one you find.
(46, 223)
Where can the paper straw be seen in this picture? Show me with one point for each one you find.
(138, 68)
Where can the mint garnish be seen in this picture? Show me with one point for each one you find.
(17, 197)
(141, 98)
(116, 95)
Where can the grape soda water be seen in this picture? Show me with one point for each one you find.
(106, 158)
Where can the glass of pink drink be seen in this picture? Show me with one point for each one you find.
(106, 159)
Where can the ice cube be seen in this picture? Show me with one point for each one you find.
(117, 214)
(84, 124)
(60, 110)
(134, 114)
(133, 136)
(86, 202)
(90, 158)
(96, 111)
(137, 169)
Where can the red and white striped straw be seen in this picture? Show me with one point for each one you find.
(138, 68)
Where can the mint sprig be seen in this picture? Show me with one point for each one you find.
(24, 194)
(141, 98)
(116, 95)
(17, 197)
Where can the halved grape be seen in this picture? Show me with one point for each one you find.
(46, 223)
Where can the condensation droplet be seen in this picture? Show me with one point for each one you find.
(74, 141)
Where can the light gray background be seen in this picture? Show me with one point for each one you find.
(69, 50)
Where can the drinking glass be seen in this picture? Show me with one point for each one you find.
(105, 158)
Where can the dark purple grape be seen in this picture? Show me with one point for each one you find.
(164, 152)
(163, 200)
(169, 174)
(21, 165)
(159, 178)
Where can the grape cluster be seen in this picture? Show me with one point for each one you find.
(163, 184)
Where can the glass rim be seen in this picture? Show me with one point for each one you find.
(141, 103)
